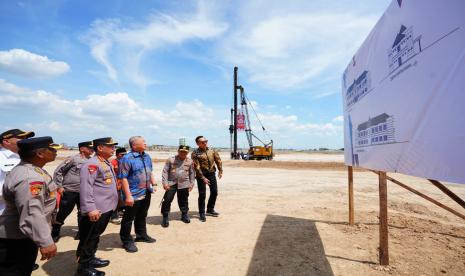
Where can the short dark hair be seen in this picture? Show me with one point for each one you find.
(26, 155)
(198, 138)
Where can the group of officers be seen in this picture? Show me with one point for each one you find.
(34, 205)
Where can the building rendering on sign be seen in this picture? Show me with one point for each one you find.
(375, 131)
(359, 88)
(403, 48)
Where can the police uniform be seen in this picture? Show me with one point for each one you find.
(9, 159)
(67, 176)
(97, 192)
(204, 164)
(30, 196)
(180, 176)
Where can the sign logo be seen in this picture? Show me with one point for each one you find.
(404, 48)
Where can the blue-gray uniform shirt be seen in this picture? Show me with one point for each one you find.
(67, 174)
(30, 196)
(98, 186)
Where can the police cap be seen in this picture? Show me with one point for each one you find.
(37, 143)
(16, 133)
(107, 141)
(184, 148)
(86, 144)
(120, 150)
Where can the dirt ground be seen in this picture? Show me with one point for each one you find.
(287, 217)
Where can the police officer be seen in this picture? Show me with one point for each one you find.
(9, 157)
(204, 162)
(67, 178)
(98, 197)
(30, 196)
(178, 176)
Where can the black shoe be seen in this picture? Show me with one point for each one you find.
(146, 239)
(35, 267)
(77, 237)
(130, 247)
(56, 232)
(202, 217)
(185, 218)
(85, 270)
(212, 213)
(97, 262)
(165, 223)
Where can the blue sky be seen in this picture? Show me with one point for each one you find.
(78, 70)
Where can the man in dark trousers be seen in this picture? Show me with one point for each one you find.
(99, 198)
(177, 178)
(138, 182)
(67, 177)
(205, 160)
(30, 197)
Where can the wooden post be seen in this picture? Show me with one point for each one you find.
(351, 196)
(448, 192)
(383, 220)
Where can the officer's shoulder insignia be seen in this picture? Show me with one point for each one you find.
(36, 187)
(92, 168)
(39, 171)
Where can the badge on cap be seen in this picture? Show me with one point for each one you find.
(108, 181)
(92, 169)
(36, 187)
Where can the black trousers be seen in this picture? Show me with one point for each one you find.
(183, 202)
(203, 192)
(138, 214)
(89, 236)
(17, 256)
(67, 203)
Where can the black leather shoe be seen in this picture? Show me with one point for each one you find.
(130, 247)
(165, 223)
(185, 218)
(35, 267)
(97, 262)
(146, 239)
(85, 270)
(212, 213)
(202, 217)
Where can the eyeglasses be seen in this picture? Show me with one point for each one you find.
(203, 141)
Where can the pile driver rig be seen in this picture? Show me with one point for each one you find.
(241, 121)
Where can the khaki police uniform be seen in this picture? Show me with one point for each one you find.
(180, 176)
(97, 192)
(67, 176)
(30, 196)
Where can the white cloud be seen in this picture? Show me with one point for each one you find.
(283, 47)
(104, 112)
(28, 64)
(120, 46)
(338, 119)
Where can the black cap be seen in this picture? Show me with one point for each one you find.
(16, 133)
(108, 141)
(120, 150)
(37, 143)
(86, 144)
(184, 148)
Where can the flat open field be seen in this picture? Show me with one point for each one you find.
(287, 217)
